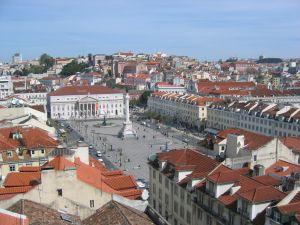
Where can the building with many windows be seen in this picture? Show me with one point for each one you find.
(188, 188)
(85, 102)
(262, 118)
(6, 86)
(189, 110)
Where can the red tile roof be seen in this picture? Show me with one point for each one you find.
(189, 159)
(40, 108)
(29, 169)
(292, 143)
(21, 179)
(83, 90)
(262, 194)
(31, 138)
(120, 184)
(59, 163)
(268, 180)
(10, 218)
(253, 141)
(282, 168)
(290, 208)
(14, 190)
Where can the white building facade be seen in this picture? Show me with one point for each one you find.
(6, 86)
(183, 108)
(261, 118)
(85, 102)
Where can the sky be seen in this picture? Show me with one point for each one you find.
(203, 29)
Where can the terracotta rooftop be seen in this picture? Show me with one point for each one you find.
(282, 168)
(292, 143)
(40, 214)
(40, 108)
(123, 185)
(189, 159)
(268, 180)
(11, 218)
(31, 138)
(114, 213)
(83, 90)
(21, 179)
(262, 194)
(59, 163)
(253, 140)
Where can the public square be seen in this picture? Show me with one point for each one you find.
(130, 155)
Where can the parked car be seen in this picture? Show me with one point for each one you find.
(185, 140)
(91, 147)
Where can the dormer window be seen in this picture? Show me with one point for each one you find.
(276, 216)
(9, 154)
(32, 152)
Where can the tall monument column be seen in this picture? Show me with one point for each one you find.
(127, 130)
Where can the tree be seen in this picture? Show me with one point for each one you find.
(46, 61)
(144, 98)
(18, 73)
(72, 68)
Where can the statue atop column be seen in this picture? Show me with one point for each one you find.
(127, 130)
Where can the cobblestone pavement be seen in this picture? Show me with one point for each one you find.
(130, 155)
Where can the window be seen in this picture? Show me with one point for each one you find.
(32, 152)
(154, 174)
(9, 154)
(160, 208)
(167, 183)
(276, 216)
(188, 217)
(176, 190)
(188, 199)
(175, 207)
(43, 151)
(231, 218)
(199, 214)
(59, 192)
(220, 210)
(154, 204)
(175, 222)
(159, 193)
(182, 212)
(12, 168)
(255, 158)
(160, 178)
(166, 199)
(154, 189)
(92, 204)
(208, 220)
(182, 194)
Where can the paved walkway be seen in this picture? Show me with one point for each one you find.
(130, 155)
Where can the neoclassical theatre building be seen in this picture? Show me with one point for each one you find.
(85, 102)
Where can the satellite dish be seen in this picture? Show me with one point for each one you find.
(145, 194)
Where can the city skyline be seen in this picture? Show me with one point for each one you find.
(204, 30)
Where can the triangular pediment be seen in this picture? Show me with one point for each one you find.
(88, 99)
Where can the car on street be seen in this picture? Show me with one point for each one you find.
(99, 153)
(100, 159)
(185, 140)
(141, 183)
(144, 123)
(91, 147)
